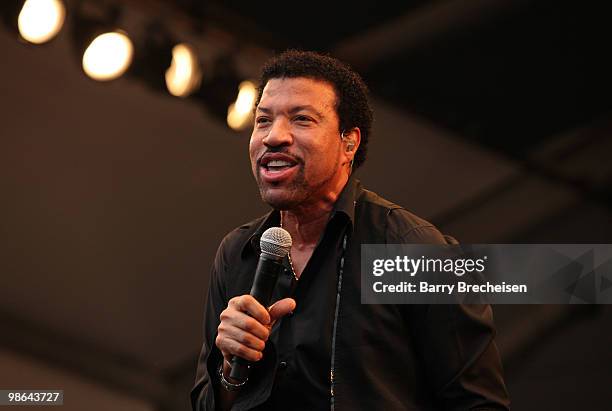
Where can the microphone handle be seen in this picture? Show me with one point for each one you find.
(266, 274)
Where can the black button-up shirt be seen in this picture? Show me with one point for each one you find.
(385, 356)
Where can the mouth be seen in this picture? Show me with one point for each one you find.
(276, 167)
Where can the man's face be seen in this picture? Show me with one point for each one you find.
(295, 147)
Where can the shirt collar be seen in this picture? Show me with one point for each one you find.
(345, 205)
(348, 199)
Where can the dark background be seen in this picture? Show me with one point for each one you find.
(493, 121)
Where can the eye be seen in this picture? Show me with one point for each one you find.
(262, 121)
(300, 118)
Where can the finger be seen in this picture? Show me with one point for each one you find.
(227, 357)
(248, 304)
(236, 348)
(281, 308)
(242, 337)
(235, 318)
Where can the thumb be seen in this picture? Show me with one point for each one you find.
(281, 308)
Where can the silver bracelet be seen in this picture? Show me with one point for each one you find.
(228, 385)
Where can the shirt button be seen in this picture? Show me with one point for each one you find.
(282, 365)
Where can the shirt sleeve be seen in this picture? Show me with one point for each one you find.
(203, 393)
(454, 342)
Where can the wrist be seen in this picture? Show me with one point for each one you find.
(228, 383)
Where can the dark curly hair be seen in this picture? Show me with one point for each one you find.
(352, 105)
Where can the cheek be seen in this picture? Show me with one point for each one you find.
(254, 144)
(332, 152)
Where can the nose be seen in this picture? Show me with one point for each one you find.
(279, 134)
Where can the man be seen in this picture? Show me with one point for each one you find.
(317, 346)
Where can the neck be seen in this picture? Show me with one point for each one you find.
(306, 222)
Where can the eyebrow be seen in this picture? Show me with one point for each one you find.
(293, 110)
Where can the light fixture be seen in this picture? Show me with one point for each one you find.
(226, 95)
(35, 21)
(184, 74)
(240, 112)
(108, 56)
(165, 64)
(105, 51)
(40, 20)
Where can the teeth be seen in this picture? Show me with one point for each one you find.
(279, 163)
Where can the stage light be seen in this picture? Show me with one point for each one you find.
(240, 113)
(165, 64)
(104, 50)
(33, 21)
(40, 20)
(108, 56)
(184, 74)
(225, 94)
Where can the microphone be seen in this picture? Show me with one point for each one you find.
(275, 244)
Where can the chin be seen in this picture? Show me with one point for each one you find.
(279, 199)
(278, 202)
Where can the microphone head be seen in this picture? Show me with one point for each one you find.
(276, 242)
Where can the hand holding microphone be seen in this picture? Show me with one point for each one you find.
(245, 323)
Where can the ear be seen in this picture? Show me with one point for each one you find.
(350, 142)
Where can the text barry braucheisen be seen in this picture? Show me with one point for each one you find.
(459, 287)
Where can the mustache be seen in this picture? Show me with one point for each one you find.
(280, 150)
